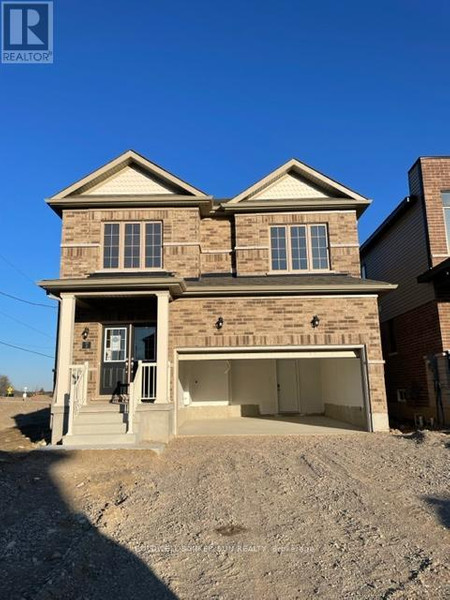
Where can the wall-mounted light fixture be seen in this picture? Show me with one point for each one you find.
(315, 321)
(219, 323)
(85, 333)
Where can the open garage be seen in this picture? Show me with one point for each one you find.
(322, 388)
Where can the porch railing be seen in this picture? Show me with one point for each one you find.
(78, 391)
(142, 388)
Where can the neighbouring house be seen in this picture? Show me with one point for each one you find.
(412, 248)
(175, 306)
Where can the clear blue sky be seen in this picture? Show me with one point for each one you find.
(219, 94)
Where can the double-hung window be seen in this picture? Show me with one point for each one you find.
(132, 245)
(299, 248)
(446, 204)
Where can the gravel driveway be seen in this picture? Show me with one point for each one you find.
(356, 516)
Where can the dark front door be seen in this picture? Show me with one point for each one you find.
(114, 372)
(123, 347)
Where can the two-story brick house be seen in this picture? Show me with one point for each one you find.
(185, 307)
(412, 248)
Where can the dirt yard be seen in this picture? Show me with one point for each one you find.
(357, 516)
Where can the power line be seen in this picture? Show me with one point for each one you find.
(13, 266)
(25, 324)
(25, 350)
(27, 301)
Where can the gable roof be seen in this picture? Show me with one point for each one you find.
(143, 167)
(130, 180)
(297, 183)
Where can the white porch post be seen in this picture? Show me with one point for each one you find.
(65, 347)
(162, 347)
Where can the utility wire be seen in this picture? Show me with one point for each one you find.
(25, 325)
(13, 266)
(27, 301)
(25, 350)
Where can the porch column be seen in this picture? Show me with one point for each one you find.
(162, 348)
(65, 348)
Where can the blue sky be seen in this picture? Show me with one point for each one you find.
(219, 94)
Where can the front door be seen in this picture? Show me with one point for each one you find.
(288, 386)
(114, 372)
(123, 347)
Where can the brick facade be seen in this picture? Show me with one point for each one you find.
(260, 322)
(193, 246)
(435, 179)
(253, 239)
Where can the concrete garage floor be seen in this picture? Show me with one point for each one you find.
(277, 425)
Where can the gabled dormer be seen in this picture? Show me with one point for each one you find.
(295, 185)
(121, 218)
(296, 220)
(130, 180)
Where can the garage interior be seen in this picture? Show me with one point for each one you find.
(324, 389)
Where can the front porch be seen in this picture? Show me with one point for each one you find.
(112, 369)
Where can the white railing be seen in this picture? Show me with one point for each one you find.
(78, 391)
(148, 385)
(142, 388)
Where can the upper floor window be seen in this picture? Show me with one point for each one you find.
(299, 248)
(132, 245)
(446, 203)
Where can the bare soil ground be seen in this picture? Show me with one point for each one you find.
(333, 517)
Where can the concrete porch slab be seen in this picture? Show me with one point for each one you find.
(276, 425)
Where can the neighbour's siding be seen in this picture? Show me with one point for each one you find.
(400, 256)
(415, 180)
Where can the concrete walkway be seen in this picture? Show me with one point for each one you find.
(278, 425)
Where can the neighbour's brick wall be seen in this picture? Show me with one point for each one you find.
(278, 321)
(417, 334)
(435, 179)
(444, 320)
(253, 239)
(181, 239)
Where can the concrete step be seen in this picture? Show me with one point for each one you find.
(103, 407)
(101, 428)
(84, 418)
(97, 440)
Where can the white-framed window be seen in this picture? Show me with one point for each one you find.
(402, 395)
(299, 248)
(115, 347)
(132, 245)
(446, 204)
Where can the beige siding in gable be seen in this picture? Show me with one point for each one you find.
(129, 182)
(399, 257)
(290, 186)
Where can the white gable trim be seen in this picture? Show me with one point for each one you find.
(126, 159)
(304, 171)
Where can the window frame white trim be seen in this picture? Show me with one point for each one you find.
(117, 328)
(142, 245)
(309, 256)
(447, 232)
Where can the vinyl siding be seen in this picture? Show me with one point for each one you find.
(399, 257)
